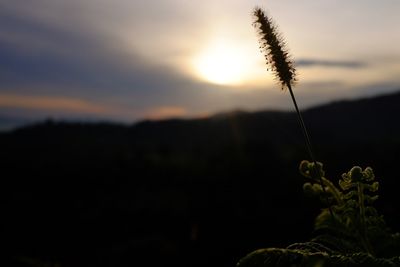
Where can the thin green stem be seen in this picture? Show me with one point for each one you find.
(309, 146)
(335, 192)
(363, 230)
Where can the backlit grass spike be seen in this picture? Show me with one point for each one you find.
(273, 47)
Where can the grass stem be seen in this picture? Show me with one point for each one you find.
(309, 146)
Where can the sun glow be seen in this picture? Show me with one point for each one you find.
(223, 62)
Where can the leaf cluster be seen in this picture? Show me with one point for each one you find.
(352, 233)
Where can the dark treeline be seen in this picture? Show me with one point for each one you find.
(200, 192)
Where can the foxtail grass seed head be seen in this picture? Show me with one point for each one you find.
(273, 47)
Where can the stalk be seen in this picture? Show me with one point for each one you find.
(363, 235)
(309, 146)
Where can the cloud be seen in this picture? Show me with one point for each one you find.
(82, 67)
(330, 63)
(40, 58)
(50, 104)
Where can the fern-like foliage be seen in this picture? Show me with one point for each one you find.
(354, 234)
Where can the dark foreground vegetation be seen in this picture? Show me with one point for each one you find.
(201, 192)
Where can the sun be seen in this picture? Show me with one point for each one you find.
(221, 63)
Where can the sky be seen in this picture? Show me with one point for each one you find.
(128, 60)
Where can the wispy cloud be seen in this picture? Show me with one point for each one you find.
(70, 106)
(330, 63)
(50, 103)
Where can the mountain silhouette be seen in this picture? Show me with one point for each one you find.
(181, 192)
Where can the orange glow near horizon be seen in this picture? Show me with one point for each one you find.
(72, 105)
(164, 112)
(49, 103)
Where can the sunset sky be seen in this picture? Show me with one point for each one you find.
(126, 60)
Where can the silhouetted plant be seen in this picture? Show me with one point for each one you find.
(350, 232)
(357, 236)
(277, 57)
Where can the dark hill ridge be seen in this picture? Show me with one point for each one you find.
(377, 116)
(197, 192)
